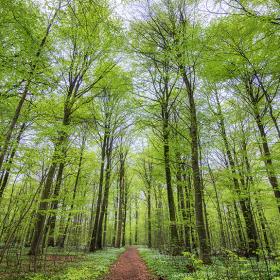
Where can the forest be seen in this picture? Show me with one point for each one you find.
(139, 139)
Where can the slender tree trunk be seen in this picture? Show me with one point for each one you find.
(149, 217)
(121, 200)
(136, 221)
(54, 206)
(104, 238)
(63, 237)
(243, 201)
(116, 219)
(124, 216)
(184, 207)
(6, 175)
(188, 221)
(198, 188)
(171, 205)
(109, 146)
(43, 206)
(99, 198)
(130, 224)
(207, 228)
(180, 198)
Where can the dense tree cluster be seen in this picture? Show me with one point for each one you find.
(164, 131)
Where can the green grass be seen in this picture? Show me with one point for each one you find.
(87, 266)
(229, 267)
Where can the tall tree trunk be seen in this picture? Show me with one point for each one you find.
(198, 188)
(136, 221)
(109, 146)
(149, 217)
(148, 180)
(116, 203)
(99, 198)
(40, 215)
(104, 238)
(121, 199)
(130, 224)
(188, 221)
(183, 207)
(207, 228)
(171, 205)
(180, 198)
(124, 217)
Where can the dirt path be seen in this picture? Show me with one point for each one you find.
(129, 267)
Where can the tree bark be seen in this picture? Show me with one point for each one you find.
(136, 221)
(149, 218)
(198, 188)
(99, 198)
(171, 205)
(124, 216)
(104, 205)
(121, 200)
(41, 215)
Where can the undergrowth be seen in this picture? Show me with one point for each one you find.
(228, 267)
(87, 266)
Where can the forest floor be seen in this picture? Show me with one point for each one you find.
(61, 265)
(129, 266)
(135, 263)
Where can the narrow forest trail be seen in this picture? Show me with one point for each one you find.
(129, 266)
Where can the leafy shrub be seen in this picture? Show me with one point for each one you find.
(228, 267)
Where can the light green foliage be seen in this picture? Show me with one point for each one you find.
(119, 79)
(193, 263)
